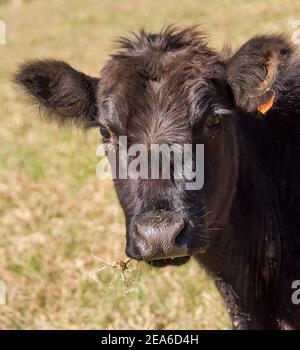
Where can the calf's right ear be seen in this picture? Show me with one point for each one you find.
(69, 96)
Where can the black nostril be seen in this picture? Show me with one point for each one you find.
(181, 238)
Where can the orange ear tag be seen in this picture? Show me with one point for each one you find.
(264, 107)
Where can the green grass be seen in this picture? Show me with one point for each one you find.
(54, 211)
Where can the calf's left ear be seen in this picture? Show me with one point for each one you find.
(253, 72)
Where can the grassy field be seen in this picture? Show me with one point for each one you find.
(54, 212)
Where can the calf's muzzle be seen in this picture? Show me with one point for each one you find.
(160, 235)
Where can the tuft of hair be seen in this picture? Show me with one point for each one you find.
(171, 38)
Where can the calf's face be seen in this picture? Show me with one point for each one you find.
(167, 89)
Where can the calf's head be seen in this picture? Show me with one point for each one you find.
(168, 89)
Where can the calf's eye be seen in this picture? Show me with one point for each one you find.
(105, 132)
(213, 121)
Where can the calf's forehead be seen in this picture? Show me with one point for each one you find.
(130, 98)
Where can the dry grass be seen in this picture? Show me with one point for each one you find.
(53, 210)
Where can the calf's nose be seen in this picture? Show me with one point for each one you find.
(160, 236)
